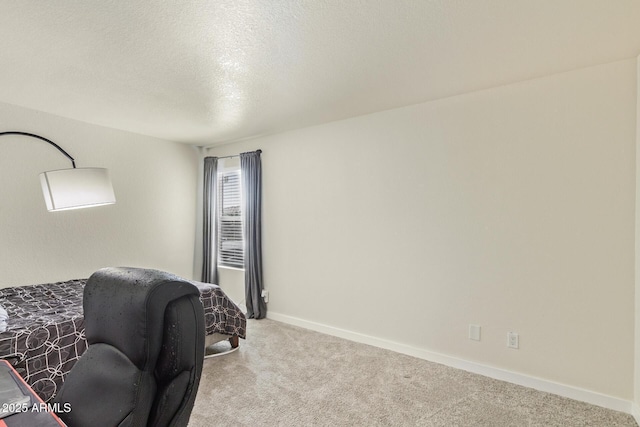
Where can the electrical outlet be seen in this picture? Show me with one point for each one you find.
(265, 295)
(513, 340)
(474, 332)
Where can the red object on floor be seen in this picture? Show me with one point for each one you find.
(35, 414)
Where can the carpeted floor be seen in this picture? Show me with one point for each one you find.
(288, 376)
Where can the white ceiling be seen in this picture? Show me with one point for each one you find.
(212, 71)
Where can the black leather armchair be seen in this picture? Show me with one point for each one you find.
(145, 330)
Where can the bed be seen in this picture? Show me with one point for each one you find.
(45, 331)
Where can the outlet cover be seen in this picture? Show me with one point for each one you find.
(513, 340)
(474, 332)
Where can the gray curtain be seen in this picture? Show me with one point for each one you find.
(251, 171)
(210, 218)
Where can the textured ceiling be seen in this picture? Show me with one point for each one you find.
(207, 72)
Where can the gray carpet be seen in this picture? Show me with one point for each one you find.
(288, 376)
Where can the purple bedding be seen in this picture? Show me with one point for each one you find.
(45, 330)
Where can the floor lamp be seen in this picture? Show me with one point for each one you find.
(74, 188)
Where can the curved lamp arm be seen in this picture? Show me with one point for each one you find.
(73, 162)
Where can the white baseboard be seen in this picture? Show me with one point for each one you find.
(635, 411)
(563, 390)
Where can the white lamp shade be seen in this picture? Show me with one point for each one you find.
(76, 188)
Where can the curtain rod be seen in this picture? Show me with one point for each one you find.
(235, 155)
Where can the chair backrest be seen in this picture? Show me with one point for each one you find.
(145, 330)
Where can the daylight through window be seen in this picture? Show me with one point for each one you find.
(230, 244)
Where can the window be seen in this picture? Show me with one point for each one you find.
(230, 244)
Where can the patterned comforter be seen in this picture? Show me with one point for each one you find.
(45, 332)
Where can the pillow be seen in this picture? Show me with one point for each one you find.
(202, 286)
(4, 316)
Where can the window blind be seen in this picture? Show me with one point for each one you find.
(230, 244)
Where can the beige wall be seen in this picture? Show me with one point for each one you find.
(511, 208)
(151, 225)
(636, 408)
